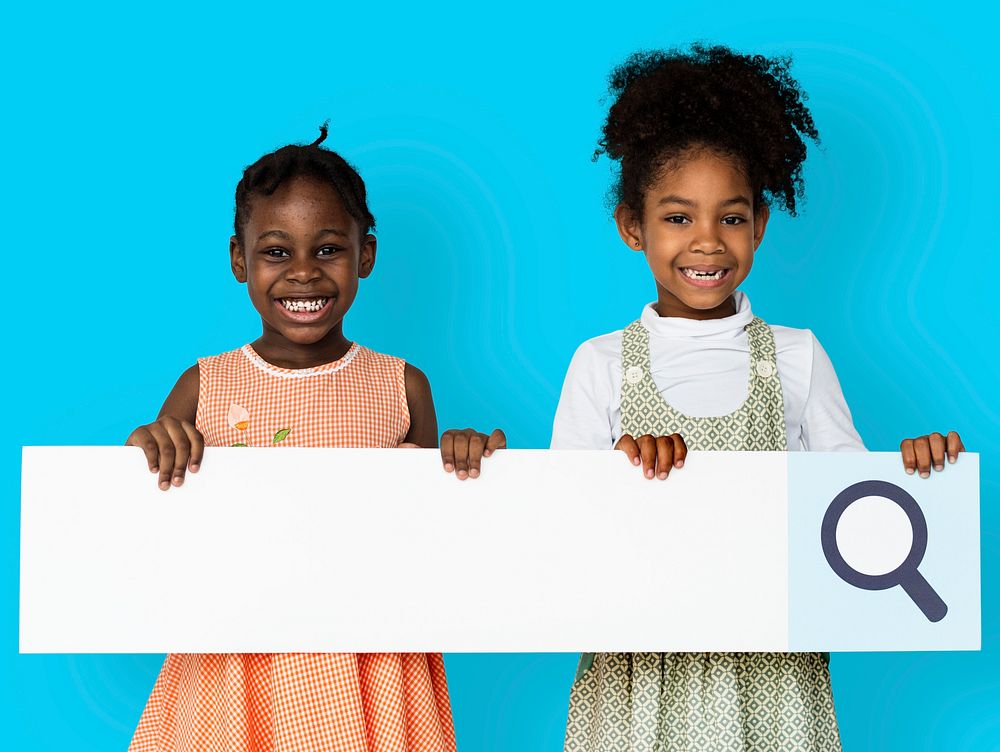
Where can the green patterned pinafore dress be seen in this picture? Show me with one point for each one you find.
(703, 702)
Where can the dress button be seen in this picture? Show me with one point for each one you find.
(765, 369)
(633, 375)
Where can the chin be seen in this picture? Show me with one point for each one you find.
(305, 338)
(713, 304)
(704, 303)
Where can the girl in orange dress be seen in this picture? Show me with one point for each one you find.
(302, 241)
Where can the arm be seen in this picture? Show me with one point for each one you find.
(584, 416)
(182, 402)
(423, 420)
(827, 425)
(171, 443)
(461, 450)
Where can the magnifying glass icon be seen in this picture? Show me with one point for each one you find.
(906, 574)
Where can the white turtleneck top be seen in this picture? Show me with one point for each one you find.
(701, 368)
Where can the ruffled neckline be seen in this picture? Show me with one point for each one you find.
(254, 357)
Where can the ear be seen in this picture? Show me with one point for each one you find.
(629, 227)
(237, 260)
(366, 259)
(760, 223)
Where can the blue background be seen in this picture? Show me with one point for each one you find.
(126, 129)
(827, 613)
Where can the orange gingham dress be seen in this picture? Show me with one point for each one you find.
(263, 702)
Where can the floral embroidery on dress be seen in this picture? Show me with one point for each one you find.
(238, 417)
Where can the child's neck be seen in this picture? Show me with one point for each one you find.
(670, 305)
(282, 352)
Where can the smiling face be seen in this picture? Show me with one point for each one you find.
(699, 231)
(301, 256)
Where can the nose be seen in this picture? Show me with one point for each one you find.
(707, 240)
(303, 269)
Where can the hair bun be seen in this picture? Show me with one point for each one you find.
(746, 106)
(324, 130)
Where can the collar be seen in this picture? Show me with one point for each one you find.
(673, 327)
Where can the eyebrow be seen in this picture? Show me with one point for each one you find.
(675, 199)
(285, 236)
(737, 200)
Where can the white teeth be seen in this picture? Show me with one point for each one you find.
(300, 305)
(703, 275)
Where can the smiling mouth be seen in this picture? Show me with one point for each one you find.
(704, 276)
(302, 305)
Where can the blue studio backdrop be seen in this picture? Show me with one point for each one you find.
(125, 132)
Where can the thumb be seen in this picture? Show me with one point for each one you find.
(497, 440)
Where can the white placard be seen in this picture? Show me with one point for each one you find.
(357, 550)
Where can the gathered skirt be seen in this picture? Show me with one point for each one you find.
(703, 702)
(264, 702)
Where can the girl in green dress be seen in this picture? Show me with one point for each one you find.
(708, 142)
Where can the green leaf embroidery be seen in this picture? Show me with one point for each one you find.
(280, 435)
(236, 445)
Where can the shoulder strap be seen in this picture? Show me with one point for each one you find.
(765, 405)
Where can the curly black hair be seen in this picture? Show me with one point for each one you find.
(269, 172)
(745, 106)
